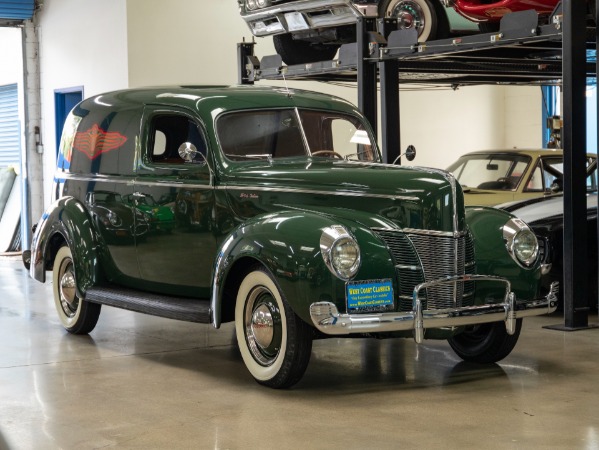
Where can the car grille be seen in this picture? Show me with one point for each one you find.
(421, 257)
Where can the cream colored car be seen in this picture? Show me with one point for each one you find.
(492, 177)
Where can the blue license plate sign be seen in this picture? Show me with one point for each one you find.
(371, 294)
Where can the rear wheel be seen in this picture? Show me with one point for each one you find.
(485, 343)
(275, 343)
(294, 51)
(428, 17)
(76, 315)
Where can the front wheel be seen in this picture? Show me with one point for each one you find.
(428, 17)
(76, 315)
(485, 343)
(275, 343)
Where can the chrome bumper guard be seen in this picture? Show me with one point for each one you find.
(272, 20)
(326, 316)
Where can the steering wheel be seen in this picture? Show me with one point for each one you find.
(329, 153)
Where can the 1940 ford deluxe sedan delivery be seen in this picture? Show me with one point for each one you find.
(284, 220)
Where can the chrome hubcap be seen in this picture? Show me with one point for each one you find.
(67, 290)
(263, 327)
(409, 14)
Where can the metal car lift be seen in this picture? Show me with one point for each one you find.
(521, 52)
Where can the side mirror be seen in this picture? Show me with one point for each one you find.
(410, 153)
(556, 186)
(189, 153)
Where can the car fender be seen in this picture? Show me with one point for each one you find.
(492, 258)
(287, 243)
(66, 220)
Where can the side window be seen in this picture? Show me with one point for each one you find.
(535, 183)
(168, 133)
(159, 144)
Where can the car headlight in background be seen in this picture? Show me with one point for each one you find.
(256, 4)
(340, 252)
(521, 242)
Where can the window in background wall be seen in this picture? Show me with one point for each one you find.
(592, 119)
(552, 106)
(64, 101)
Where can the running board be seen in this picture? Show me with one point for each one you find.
(178, 308)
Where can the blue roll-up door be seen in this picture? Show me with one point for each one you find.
(10, 141)
(16, 9)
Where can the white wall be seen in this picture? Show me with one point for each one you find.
(82, 43)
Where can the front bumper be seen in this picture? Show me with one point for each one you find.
(327, 319)
(301, 16)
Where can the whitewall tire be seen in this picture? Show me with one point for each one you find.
(274, 342)
(76, 315)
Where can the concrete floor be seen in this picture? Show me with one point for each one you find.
(144, 382)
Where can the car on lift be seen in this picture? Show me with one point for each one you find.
(488, 13)
(491, 177)
(312, 30)
(297, 230)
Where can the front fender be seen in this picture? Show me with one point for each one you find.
(66, 220)
(492, 258)
(288, 245)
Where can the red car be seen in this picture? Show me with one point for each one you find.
(488, 13)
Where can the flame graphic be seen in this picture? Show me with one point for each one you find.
(96, 141)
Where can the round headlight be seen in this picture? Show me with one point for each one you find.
(251, 4)
(115, 220)
(340, 252)
(521, 242)
(261, 3)
(526, 247)
(345, 257)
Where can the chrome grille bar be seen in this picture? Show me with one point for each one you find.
(437, 255)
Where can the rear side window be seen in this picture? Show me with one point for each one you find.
(103, 143)
(168, 133)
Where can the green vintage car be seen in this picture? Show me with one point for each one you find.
(304, 232)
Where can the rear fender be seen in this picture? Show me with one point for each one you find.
(66, 221)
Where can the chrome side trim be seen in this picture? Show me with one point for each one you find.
(327, 319)
(130, 181)
(315, 191)
(95, 178)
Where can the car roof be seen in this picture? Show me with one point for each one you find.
(221, 98)
(521, 151)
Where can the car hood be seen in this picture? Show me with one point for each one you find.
(409, 197)
(542, 208)
(484, 197)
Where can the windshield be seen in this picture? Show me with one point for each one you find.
(494, 171)
(284, 133)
